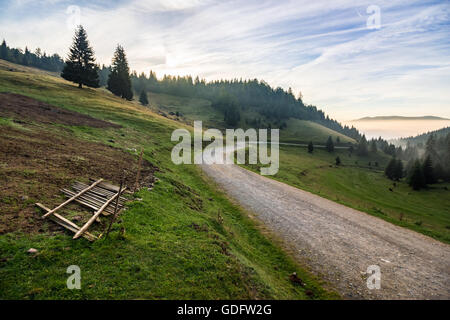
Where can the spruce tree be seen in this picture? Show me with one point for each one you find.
(27, 57)
(4, 50)
(389, 171)
(310, 147)
(373, 146)
(430, 147)
(232, 115)
(428, 171)
(143, 98)
(446, 158)
(398, 171)
(416, 178)
(330, 145)
(119, 81)
(80, 68)
(362, 147)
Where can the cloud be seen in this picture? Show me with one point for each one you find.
(322, 49)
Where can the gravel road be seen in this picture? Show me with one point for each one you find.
(339, 243)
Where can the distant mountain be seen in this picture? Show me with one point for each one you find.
(385, 118)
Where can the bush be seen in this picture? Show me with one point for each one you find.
(338, 160)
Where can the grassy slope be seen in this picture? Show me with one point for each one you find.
(299, 131)
(302, 131)
(365, 188)
(161, 255)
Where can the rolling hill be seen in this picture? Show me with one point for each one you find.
(191, 109)
(168, 244)
(421, 139)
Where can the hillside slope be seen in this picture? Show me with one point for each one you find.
(359, 182)
(421, 139)
(192, 109)
(168, 244)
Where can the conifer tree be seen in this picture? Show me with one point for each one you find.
(119, 81)
(310, 147)
(330, 145)
(80, 68)
(373, 146)
(232, 115)
(143, 98)
(4, 50)
(362, 147)
(389, 171)
(416, 178)
(428, 171)
(398, 172)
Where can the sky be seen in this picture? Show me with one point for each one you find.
(351, 59)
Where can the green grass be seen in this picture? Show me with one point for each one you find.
(174, 246)
(356, 184)
(302, 131)
(191, 109)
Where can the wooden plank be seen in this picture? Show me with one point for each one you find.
(99, 188)
(84, 199)
(115, 210)
(96, 190)
(71, 199)
(66, 223)
(88, 202)
(96, 214)
(93, 197)
(99, 191)
(107, 186)
(88, 197)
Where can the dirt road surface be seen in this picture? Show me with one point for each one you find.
(339, 243)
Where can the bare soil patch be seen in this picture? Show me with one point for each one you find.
(35, 164)
(24, 108)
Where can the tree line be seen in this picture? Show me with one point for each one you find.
(231, 97)
(237, 95)
(36, 59)
(425, 166)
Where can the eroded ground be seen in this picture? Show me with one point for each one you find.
(35, 163)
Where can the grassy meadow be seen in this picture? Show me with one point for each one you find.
(172, 244)
(191, 109)
(363, 186)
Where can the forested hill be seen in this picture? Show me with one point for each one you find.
(420, 140)
(236, 97)
(37, 59)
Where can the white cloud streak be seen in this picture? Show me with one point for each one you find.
(320, 48)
